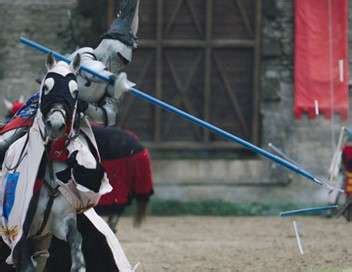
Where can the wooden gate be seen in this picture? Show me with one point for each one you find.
(203, 57)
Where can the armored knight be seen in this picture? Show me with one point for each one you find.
(97, 99)
(101, 104)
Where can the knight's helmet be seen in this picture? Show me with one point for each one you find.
(119, 41)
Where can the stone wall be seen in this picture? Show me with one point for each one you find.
(306, 141)
(43, 21)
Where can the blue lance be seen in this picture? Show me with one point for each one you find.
(308, 210)
(218, 131)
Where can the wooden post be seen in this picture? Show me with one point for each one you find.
(159, 69)
(110, 12)
(207, 69)
(256, 74)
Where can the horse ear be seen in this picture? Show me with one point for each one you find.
(50, 61)
(76, 63)
(8, 104)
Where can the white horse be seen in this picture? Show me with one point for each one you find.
(50, 212)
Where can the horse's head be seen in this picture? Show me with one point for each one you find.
(59, 92)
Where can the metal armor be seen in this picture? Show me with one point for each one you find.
(102, 97)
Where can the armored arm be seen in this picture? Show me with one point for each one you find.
(100, 102)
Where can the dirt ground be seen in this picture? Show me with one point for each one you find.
(237, 244)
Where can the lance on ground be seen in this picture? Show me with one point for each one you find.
(218, 131)
(308, 210)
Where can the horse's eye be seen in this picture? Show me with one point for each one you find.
(48, 85)
(72, 85)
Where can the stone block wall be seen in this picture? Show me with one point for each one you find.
(308, 142)
(40, 20)
(255, 180)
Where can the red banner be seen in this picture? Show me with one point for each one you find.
(321, 58)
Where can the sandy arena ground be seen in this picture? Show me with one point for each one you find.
(237, 244)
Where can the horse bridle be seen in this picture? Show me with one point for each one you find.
(52, 186)
(53, 193)
(56, 108)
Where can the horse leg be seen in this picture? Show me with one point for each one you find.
(113, 219)
(24, 261)
(4, 252)
(141, 212)
(74, 239)
(41, 253)
(33, 254)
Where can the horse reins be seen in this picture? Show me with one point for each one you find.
(23, 154)
(54, 190)
(53, 193)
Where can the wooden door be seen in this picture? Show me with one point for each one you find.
(203, 57)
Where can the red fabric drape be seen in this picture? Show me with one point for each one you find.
(319, 53)
(130, 177)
